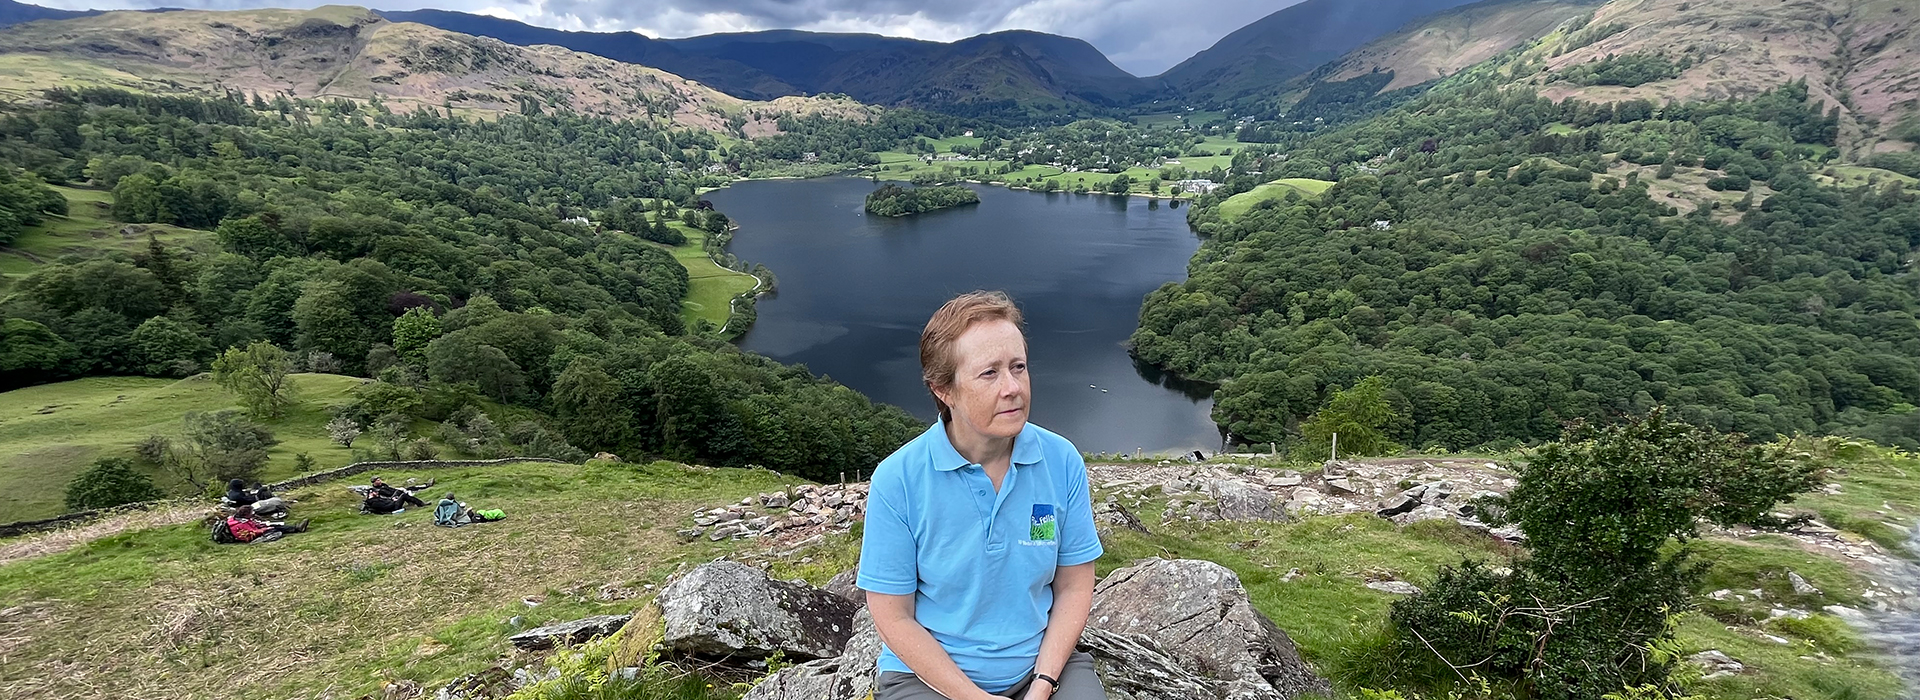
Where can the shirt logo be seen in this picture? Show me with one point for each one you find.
(1043, 524)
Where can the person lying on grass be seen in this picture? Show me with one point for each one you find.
(978, 553)
(450, 512)
(383, 499)
(247, 528)
(263, 501)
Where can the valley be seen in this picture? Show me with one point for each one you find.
(1511, 349)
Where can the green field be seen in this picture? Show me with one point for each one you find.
(51, 432)
(1174, 120)
(1240, 204)
(710, 287)
(88, 230)
(1858, 175)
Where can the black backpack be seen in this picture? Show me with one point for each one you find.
(223, 534)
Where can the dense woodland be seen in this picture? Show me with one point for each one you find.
(1482, 262)
(894, 200)
(433, 253)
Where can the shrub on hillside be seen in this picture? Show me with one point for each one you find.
(1585, 613)
(110, 482)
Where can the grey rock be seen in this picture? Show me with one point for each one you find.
(729, 609)
(1239, 500)
(1716, 664)
(1422, 514)
(848, 676)
(1287, 481)
(1134, 667)
(1394, 587)
(573, 632)
(490, 684)
(1800, 584)
(778, 500)
(1398, 504)
(1339, 486)
(1111, 515)
(1200, 615)
(846, 585)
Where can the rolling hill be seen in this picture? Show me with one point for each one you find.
(1441, 45)
(12, 13)
(1260, 58)
(1019, 66)
(354, 53)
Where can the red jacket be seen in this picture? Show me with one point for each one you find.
(244, 529)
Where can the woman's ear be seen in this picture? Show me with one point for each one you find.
(943, 393)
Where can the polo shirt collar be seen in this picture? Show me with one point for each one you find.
(1026, 448)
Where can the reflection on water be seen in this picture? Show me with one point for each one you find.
(855, 291)
(1191, 388)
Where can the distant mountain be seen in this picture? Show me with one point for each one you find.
(12, 13)
(1021, 67)
(351, 52)
(1440, 45)
(1260, 58)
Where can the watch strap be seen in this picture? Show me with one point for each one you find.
(1049, 679)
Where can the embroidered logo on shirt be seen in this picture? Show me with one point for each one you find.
(1043, 525)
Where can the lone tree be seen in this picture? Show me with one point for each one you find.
(1590, 610)
(1358, 415)
(260, 375)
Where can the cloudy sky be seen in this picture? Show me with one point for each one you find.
(1144, 37)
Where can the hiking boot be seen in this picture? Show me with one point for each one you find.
(303, 524)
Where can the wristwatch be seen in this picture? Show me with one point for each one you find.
(1049, 679)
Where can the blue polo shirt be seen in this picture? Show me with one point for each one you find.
(978, 562)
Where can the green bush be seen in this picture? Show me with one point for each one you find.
(111, 481)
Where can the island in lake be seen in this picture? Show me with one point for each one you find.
(894, 200)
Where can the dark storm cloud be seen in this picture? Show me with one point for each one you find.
(1142, 36)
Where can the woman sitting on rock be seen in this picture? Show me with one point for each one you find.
(979, 546)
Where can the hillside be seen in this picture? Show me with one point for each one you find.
(1258, 59)
(1018, 66)
(12, 13)
(351, 53)
(364, 602)
(1860, 55)
(52, 432)
(1443, 44)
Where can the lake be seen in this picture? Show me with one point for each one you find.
(855, 291)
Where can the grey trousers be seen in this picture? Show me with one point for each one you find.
(1078, 681)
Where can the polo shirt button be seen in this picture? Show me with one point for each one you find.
(981, 493)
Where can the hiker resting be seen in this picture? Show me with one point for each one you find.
(450, 512)
(264, 503)
(383, 499)
(246, 528)
(979, 547)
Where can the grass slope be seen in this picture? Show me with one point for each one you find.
(362, 600)
(1238, 205)
(51, 432)
(710, 287)
(88, 230)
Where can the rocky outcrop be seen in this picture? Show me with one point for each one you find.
(567, 633)
(731, 610)
(846, 584)
(1160, 630)
(1239, 500)
(808, 509)
(849, 676)
(1200, 614)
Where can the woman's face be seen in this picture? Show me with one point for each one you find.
(990, 392)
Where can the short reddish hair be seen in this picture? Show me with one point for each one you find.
(937, 364)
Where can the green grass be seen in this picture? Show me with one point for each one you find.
(51, 432)
(1174, 120)
(88, 230)
(1858, 175)
(26, 75)
(359, 599)
(1239, 204)
(710, 287)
